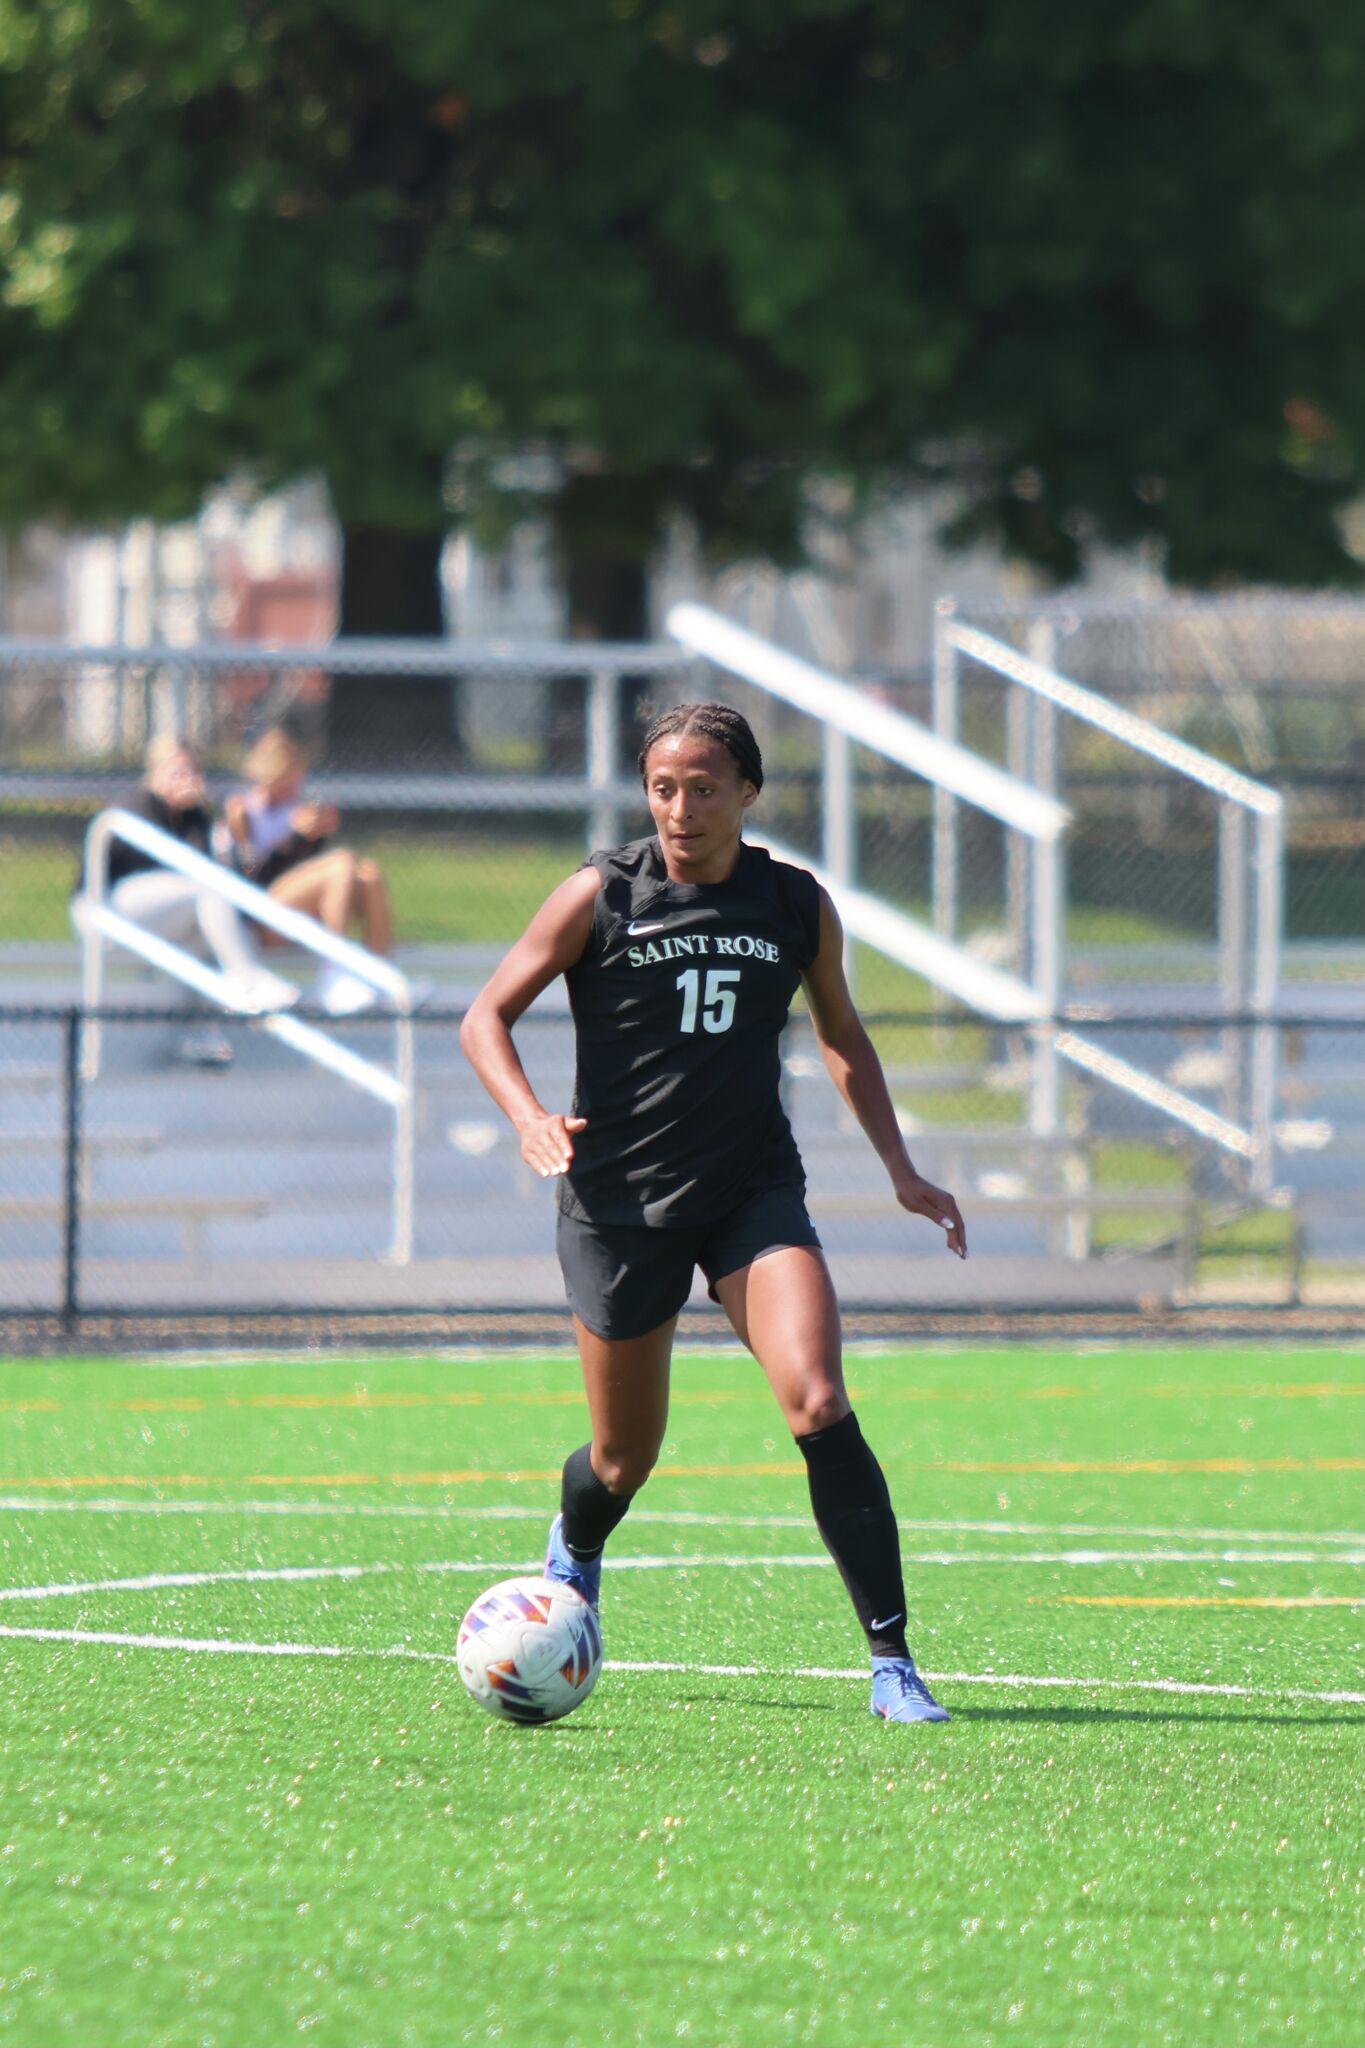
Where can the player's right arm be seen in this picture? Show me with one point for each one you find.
(552, 943)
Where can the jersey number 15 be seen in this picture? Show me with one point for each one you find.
(717, 1001)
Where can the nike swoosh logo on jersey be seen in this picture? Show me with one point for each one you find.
(637, 931)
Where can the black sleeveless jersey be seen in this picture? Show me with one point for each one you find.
(679, 1001)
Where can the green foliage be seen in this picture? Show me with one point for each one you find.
(707, 252)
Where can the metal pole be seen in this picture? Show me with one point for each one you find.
(603, 721)
(1232, 947)
(1042, 648)
(839, 832)
(1018, 744)
(1048, 919)
(1269, 858)
(71, 1168)
(94, 890)
(404, 1142)
(945, 845)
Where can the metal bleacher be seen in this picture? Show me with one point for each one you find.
(273, 1186)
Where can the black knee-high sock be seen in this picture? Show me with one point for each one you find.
(853, 1513)
(590, 1510)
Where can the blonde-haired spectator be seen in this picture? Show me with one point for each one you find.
(172, 906)
(279, 842)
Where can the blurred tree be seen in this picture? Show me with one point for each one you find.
(1101, 272)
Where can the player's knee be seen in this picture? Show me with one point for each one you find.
(367, 872)
(623, 1470)
(820, 1408)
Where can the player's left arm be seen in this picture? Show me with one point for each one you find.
(856, 1072)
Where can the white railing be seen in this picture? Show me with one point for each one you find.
(912, 945)
(848, 716)
(1024, 796)
(159, 683)
(1249, 936)
(101, 925)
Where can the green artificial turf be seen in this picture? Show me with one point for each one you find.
(451, 890)
(476, 891)
(203, 1849)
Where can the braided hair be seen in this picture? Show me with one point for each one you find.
(715, 722)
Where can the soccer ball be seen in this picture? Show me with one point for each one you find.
(529, 1650)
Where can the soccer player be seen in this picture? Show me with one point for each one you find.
(681, 954)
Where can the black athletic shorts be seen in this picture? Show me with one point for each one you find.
(623, 1279)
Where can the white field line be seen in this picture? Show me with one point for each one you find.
(151, 1582)
(1007, 1678)
(508, 1511)
(226, 1646)
(154, 1582)
(798, 1560)
(221, 1645)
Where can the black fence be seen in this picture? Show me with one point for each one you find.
(207, 1170)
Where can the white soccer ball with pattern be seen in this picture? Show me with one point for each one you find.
(529, 1650)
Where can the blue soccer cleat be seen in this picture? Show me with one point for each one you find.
(567, 1570)
(900, 1694)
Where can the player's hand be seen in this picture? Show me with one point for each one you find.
(314, 821)
(547, 1142)
(922, 1198)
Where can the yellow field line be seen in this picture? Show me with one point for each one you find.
(470, 1476)
(763, 1469)
(1315, 1390)
(278, 1478)
(193, 1404)
(1122, 1466)
(1204, 1600)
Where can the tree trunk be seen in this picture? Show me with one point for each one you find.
(604, 542)
(391, 590)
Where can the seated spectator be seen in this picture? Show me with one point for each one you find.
(173, 907)
(279, 841)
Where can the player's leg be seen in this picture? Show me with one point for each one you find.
(626, 1382)
(625, 1285)
(375, 909)
(159, 901)
(327, 887)
(782, 1306)
(229, 938)
(323, 887)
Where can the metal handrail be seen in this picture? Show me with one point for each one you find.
(357, 656)
(99, 922)
(1242, 930)
(854, 714)
(1125, 726)
(849, 716)
(1004, 997)
(913, 946)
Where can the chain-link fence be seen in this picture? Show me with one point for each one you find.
(265, 1184)
(1275, 688)
(474, 775)
(473, 778)
(485, 775)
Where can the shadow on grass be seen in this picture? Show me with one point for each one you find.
(1164, 1716)
(1058, 1716)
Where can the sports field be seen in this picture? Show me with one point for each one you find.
(244, 1798)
